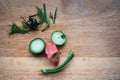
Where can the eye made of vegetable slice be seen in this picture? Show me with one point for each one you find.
(58, 38)
(37, 45)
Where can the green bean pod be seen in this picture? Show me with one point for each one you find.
(60, 67)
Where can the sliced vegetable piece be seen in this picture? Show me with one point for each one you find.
(52, 53)
(58, 37)
(37, 45)
(39, 12)
(60, 67)
(50, 49)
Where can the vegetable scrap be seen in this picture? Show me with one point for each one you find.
(32, 23)
(60, 67)
(17, 29)
(52, 53)
(43, 17)
(37, 46)
(58, 38)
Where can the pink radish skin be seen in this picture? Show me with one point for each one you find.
(52, 53)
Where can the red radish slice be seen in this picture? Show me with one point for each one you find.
(52, 53)
(55, 58)
(50, 49)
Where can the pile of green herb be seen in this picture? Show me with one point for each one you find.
(32, 23)
(17, 29)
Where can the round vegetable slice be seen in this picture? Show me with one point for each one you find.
(58, 38)
(37, 45)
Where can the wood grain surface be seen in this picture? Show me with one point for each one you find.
(93, 33)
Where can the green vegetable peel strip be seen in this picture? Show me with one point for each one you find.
(60, 67)
(36, 46)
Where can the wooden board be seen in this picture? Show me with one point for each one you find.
(93, 33)
(17, 68)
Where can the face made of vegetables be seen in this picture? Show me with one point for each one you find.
(38, 45)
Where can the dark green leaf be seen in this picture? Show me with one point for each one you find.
(45, 15)
(47, 24)
(55, 15)
(51, 16)
(17, 29)
(39, 11)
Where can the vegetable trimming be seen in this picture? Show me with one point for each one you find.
(52, 53)
(60, 67)
(32, 23)
(17, 29)
(37, 45)
(58, 37)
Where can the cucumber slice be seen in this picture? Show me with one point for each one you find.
(37, 45)
(58, 38)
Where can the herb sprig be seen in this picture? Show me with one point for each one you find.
(17, 29)
(43, 17)
(32, 23)
(53, 17)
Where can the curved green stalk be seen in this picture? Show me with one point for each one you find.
(60, 67)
